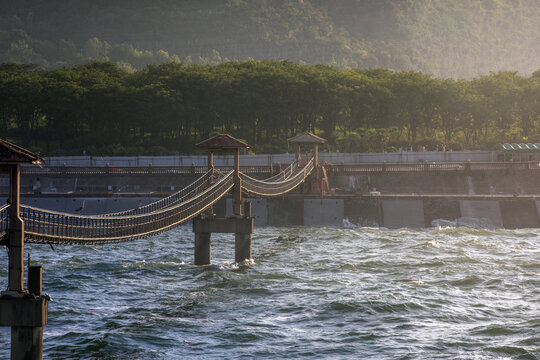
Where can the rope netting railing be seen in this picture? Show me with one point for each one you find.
(194, 188)
(43, 226)
(4, 220)
(275, 188)
(285, 173)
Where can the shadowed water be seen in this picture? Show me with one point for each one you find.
(309, 293)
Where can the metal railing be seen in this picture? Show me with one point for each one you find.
(125, 170)
(359, 169)
(4, 220)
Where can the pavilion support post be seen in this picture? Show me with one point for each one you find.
(15, 233)
(237, 192)
(25, 312)
(211, 161)
(298, 153)
(241, 226)
(210, 210)
(315, 155)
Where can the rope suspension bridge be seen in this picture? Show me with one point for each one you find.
(25, 310)
(45, 226)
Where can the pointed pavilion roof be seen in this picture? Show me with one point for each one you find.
(222, 142)
(13, 154)
(306, 138)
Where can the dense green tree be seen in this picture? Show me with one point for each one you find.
(101, 108)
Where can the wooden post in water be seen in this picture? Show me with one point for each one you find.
(24, 311)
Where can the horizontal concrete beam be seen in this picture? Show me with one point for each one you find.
(23, 311)
(223, 225)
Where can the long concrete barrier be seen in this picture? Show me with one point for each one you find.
(391, 211)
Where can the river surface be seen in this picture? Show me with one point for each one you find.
(310, 293)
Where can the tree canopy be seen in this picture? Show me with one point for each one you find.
(99, 108)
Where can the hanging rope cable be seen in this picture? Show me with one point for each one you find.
(44, 226)
(286, 173)
(275, 188)
(179, 196)
(4, 221)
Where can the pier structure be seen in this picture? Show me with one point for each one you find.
(319, 181)
(240, 223)
(24, 310)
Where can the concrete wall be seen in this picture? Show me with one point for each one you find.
(477, 182)
(267, 159)
(387, 211)
(458, 182)
(87, 205)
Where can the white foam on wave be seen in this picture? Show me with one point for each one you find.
(468, 222)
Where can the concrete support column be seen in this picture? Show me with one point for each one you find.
(202, 248)
(27, 342)
(242, 247)
(16, 232)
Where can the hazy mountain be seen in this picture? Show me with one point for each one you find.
(448, 38)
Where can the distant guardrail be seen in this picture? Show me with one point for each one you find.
(139, 170)
(354, 169)
(345, 169)
(267, 159)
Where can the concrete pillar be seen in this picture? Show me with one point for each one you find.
(242, 247)
(16, 232)
(202, 248)
(35, 275)
(27, 342)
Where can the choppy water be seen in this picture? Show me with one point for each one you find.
(310, 293)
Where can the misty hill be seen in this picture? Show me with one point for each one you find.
(462, 38)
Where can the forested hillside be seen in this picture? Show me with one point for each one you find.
(101, 109)
(459, 39)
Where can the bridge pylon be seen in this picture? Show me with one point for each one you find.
(24, 310)
(240, 223)
(308, 138)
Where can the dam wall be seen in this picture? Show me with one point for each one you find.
(390, 211)
(166, 181)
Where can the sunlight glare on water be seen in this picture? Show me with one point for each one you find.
(308, 293)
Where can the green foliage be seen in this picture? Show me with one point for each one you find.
(105, 109)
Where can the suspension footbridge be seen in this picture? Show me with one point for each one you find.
(25, 310)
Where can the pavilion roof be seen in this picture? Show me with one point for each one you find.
(307, 138)
(13, 154)
(222, 142)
